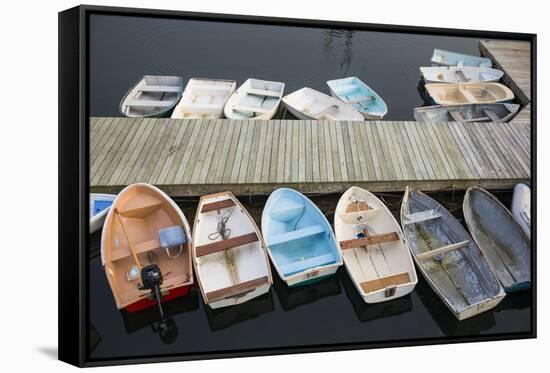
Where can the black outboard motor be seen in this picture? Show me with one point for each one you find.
(151, 278)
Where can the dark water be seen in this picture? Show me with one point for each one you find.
(328, 312)
(122, 49)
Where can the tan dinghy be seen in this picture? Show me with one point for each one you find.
(145, 227)
(469, 93)
(229, 252)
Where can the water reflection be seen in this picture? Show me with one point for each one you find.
(225, 317)
(167, 328)
(293, 297)
(347, 53)
(368, 312)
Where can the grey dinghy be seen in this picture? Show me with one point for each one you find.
(449, 259)
(500, 237)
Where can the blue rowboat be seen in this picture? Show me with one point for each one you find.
(356, 93)
(300, 241)
(441, 57)
(99, 207)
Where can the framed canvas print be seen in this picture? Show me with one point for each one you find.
(238, 186)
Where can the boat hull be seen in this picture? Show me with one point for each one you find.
(521, 207)
(454, 74)
(460, 276)
(500, 238)
(466, 113)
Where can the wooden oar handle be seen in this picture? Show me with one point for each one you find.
(132, 249)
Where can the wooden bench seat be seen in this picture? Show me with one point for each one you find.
(238, 289)
(360, 99)
(222, 245)
(309, 263)
(118, 253)
(421, 216)
(218, 205)
(385, 282)
(369, 240)
(442, 250)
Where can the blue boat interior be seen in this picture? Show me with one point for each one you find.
(299, 236)
(100, 205)
(352, 89)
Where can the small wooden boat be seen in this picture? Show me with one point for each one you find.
(255, 99)
(99, 207)
(204, 99)
(455, 74)
(374, 251)
(500, 237)
(307, 103)
(497, 113)
(229, 252)
(448, 258)
(299, 238)
(521, 207)
(446, 58)
(145, 230)
(469, 93)
(152, 96)
(360, 96)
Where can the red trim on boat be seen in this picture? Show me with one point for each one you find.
(146, 303)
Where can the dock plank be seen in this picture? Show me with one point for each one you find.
(193, 157)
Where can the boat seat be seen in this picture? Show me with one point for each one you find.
(302, 265)
(149, 103)
(252, 110)
(218, 205)
(385, 282)
(361, 216)
(159, 88)
(491, 115)
(124, 252)
(360, 99)
(288, 211)
(421, 216)
(199, 105)
(220, 88)
(223, 245)
(238, 289)
(346, 89)
(442, 250)
(468, 95)
(369, 240)
(141, 209)
(321, 113)
(263, 92)
(299, 234)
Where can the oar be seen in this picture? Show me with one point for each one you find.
(132, 249)
(152, 273)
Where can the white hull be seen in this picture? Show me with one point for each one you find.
(380, 272)
(97, 220)
(455, 74)
(204, 99)
(255, 99)
(223, 273)
(521, 207)
(309, 104)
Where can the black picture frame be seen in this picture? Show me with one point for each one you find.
(73, 179)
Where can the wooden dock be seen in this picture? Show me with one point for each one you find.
(514, 58)
(195, 157)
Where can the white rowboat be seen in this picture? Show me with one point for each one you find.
(374, 251)
(229, 253)
(307, 103)
(255, 99)
(204, 98)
